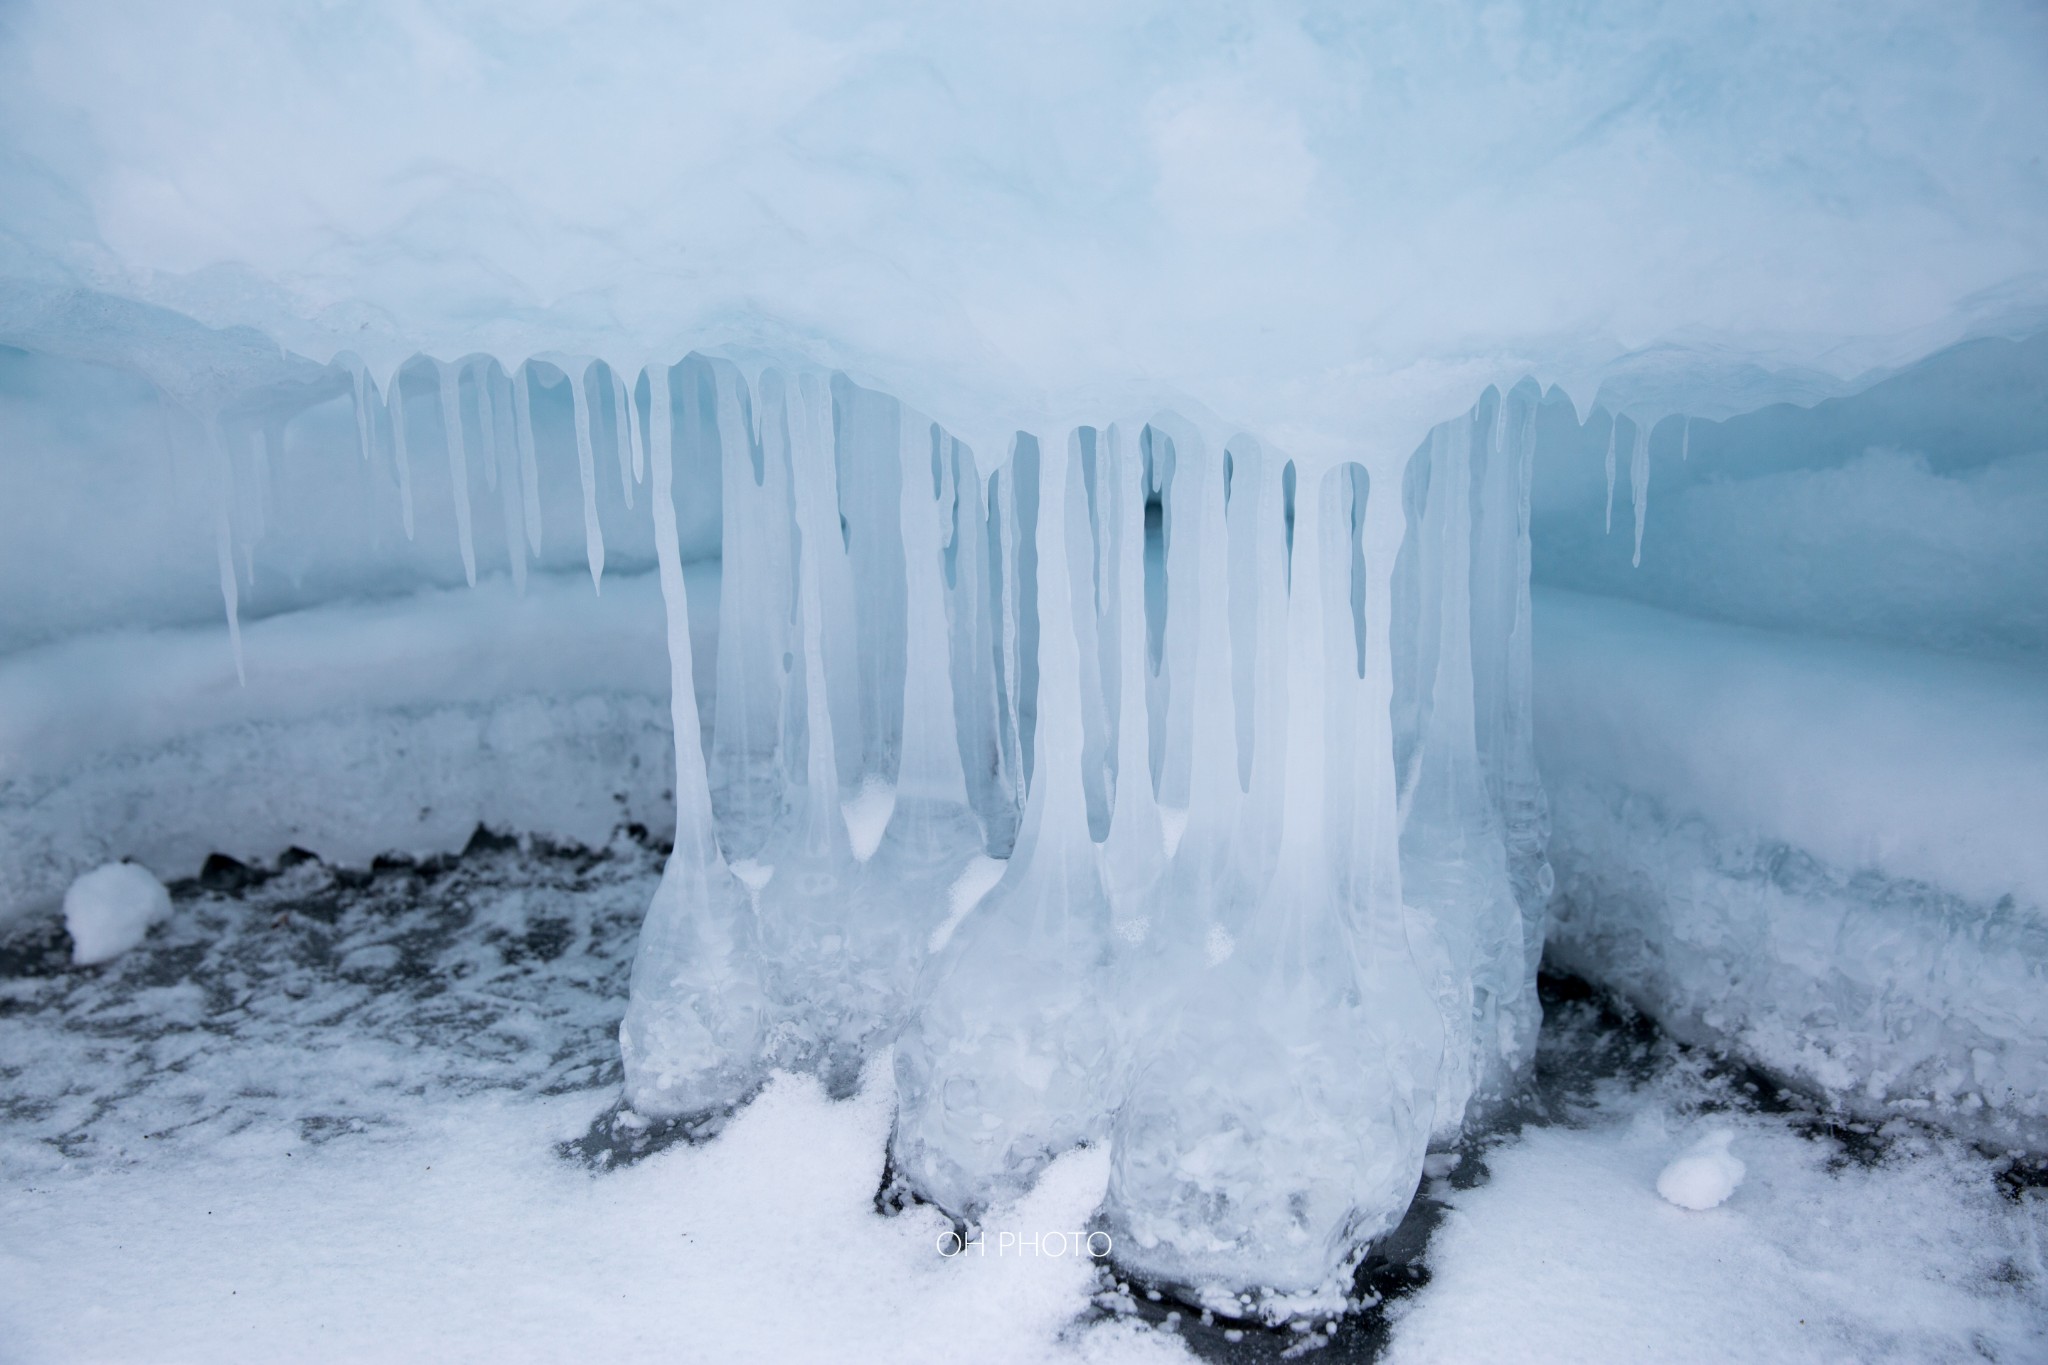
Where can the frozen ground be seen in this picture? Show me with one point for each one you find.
(336, 1116)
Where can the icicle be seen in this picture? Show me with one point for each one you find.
(1639, 485)
(1010, 1060)
(696, 844)
(586, 466)
(529, 468)
(622, 436)
(259, 496)
(404, 461)
(1613, 426)
(361, 376)
(224, 542)
(504, 459)
(694, 1032)
(1134, 855)
(1685, 441)
(487, 423)
(458, 463)
(633, 438)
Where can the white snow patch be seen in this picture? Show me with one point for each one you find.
(109, 910)
(1705, 1175)
(472, 1240)
(1567, 1254)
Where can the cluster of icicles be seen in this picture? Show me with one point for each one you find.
(1148, 790)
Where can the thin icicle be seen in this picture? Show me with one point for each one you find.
(1685, 441)
(259, 496)
(1639, 485)
(1613, 427)
(224, 542)
(529, 468)
(362, 384)
(622, 434)
(504, 459)
(586, 466)
(634, 436)
(696, 842)
(692, 1040)
(458, 464)
(403, 461)
(487, 423)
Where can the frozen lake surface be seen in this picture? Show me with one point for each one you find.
(332, 1116)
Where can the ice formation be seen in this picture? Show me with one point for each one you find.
(1174, 668)
(1144, 777)
(1018, 772)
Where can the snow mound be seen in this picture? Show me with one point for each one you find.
(110, 909)
(1705, 1175)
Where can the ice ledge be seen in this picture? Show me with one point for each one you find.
(365, 728)
(1824, 855)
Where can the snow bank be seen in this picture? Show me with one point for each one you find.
(1824, 853)
(369, 728)
(109, 909)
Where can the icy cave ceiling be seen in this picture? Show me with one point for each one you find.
(1331, 225)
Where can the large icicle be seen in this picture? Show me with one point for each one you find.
(816, 925)
(1502, 633)
(694, 1036)
(1009, 1059)
(757, 597)
(932, 832)
(1454, 866)
(1134, 854)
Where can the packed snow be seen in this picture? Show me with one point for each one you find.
(1705, 1175)
(109, 910)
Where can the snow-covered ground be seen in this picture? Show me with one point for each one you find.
(344, 1116)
